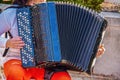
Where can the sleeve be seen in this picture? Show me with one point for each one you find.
(3, 42)
(4, 27)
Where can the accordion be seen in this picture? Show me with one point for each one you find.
(59, 33)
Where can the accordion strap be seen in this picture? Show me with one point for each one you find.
(6, 35)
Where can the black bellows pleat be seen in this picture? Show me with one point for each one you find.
(79, 28)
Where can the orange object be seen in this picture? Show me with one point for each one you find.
(14, 71)
(61, 76)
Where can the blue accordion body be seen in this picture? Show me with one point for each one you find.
(57, 32)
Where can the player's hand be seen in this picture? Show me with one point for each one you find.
(100, 51)
(15, 42)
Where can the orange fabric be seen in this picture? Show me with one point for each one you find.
(61, 76)
(14, 71)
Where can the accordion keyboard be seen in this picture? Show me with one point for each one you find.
(25, 31)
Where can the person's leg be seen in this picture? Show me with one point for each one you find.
(63, 75)
(13, 70)
(36, 73)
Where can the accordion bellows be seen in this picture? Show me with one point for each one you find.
(59, 33)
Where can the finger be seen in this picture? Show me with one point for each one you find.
(102, 45)
(102, 49)
(17, 39)
(19, 42)
(19, 46)
(98, 54)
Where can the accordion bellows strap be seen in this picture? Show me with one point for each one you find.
(60, 33)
